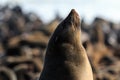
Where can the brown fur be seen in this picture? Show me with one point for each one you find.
(66, 59)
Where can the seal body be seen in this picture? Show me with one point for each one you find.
(65, 58)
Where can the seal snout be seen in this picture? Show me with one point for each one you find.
(73, 18)
(73, 12)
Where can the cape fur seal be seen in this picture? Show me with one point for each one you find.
(65, 58)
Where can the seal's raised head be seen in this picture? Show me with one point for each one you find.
(68, 31)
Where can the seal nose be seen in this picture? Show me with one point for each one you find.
(73, 12)
(73, 18)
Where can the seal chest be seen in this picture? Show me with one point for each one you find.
(65, 58)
